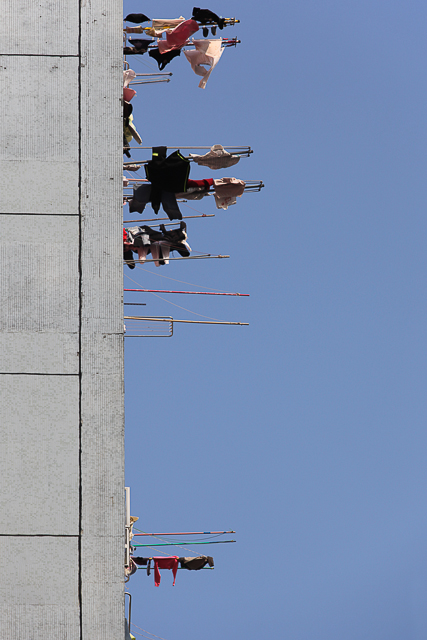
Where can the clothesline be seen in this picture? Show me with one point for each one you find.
(155, 73)
(151, 81)
(226, 42)
(241, 154)
(172, 320)
(174, 544)
(227, 22)
(251, 186)
(184, 533)
(199, 293)
(184, 569)
(202, 257)
(204, 215)
(226, 146)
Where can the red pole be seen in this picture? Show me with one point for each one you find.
(199, 293)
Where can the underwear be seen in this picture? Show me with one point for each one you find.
(137, 18)
(163, 58)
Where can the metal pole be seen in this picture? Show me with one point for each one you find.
(154, 74)
(175, 544)
(185, 533)
(242, 324)
(148, 82)
(226, 146)
(189, 258)
(204, 215)
(199, 293)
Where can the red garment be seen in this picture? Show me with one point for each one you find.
(128, 94)
(162, 562)
(177, 38)
(206, 184)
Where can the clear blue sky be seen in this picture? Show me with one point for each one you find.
(306, 431)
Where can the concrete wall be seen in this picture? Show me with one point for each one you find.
(61, 319)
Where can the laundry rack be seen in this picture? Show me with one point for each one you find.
(243, 151)
(225, 42)
(251, 186)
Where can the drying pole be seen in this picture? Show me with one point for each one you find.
(202, 257)
(174, 544)
(185, 533)
(152, 319)
(204, 215)
(199, 293)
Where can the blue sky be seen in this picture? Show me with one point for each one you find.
(306, 431)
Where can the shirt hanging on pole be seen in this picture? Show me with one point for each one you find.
(206, 52)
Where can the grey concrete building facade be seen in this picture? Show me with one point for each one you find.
(61, 341)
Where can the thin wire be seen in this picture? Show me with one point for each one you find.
(172, 539)
(173, 303)
(184, 282)
(187, 205)
(142, 634)
(195, 540)
(151, 634)
(152, 67)
(132, 173)
(165, 552)
(165, 540)
(155, 549)
(135, 282)
(184, 309)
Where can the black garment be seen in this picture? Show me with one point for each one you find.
(163, 58)
(126, 148)
(143, 562)
(194, 564)
(166, 174)
(138, 47)
(175, 237)
(131, 51)
(142, 196)
(153, 234)
(128, 257)
(145, 236)
(127, 110)
(204, 16)
(159, 153)
(139, 43)
(137, 18)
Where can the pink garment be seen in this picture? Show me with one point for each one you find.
(216, 158)
(128, 94)
(206, 52)
(128, 75)
(162, 562)
(155, 252)
(177, 38)
(142, 252)
(226, 191)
